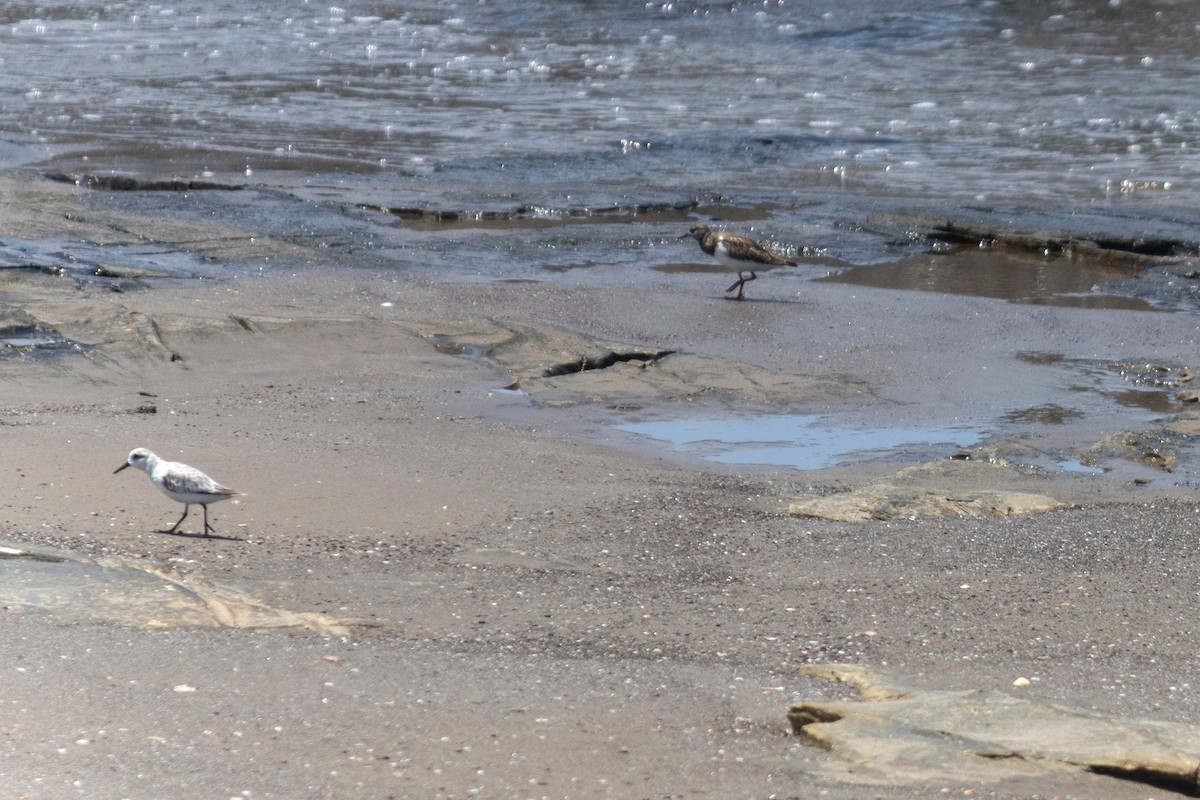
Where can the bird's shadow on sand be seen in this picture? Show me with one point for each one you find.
(211, 536)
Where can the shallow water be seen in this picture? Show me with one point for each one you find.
(801, 441)
(1003, 275)
(793, 117)
(1079, 401)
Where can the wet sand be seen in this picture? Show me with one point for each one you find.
(534, 604)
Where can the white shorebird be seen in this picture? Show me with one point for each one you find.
(735, 252)
(179, 482)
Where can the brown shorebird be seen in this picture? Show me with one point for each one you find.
(735, 252)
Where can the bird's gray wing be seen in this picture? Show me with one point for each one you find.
(194, 482)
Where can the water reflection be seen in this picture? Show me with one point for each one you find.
(1002, 274)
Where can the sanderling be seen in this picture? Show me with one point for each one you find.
(179, 482)
(736, 252)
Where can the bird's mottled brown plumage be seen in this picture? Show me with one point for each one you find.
(736, 252)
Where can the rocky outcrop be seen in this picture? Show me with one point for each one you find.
(905, 736)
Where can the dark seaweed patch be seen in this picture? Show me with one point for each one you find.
(129, 183)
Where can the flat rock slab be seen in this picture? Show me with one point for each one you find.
(561, 367)
(883, 501)
(945, 488)
(897, 736)
(134, 592)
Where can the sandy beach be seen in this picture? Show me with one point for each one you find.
(435, 586)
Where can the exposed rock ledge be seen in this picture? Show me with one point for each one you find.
(899, 736)
(939, 489)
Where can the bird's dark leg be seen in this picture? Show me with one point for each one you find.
(741, 282)
(207, 527)
(175, 527)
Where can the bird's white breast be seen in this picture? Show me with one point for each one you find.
(722, 254)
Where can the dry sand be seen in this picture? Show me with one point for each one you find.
(533, 604)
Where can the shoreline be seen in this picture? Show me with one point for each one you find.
(550, 608)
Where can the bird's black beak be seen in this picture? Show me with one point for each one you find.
(118, 469)
(687, 235)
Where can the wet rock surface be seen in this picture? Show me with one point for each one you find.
(133, 183)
